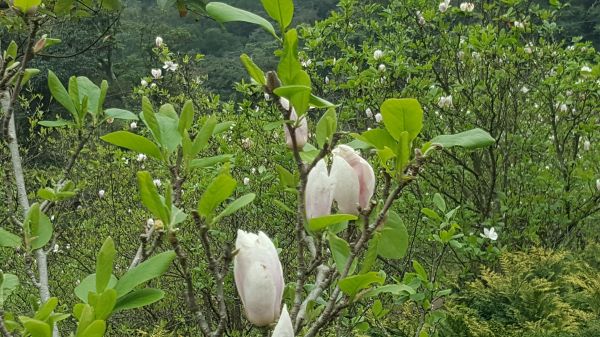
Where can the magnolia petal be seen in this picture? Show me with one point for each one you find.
(284, 327)
(319, 191)
(259, 298)
(347, 187)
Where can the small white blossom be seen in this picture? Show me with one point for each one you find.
(528, 50)
(306, 63)
(101, 194)
(156, 73)
(110, 120)
(445, 102)
(141, 157)
(490, 234)
(586, 69)
(144, 83)
(587, 145)
(247, 143)
(443, 7)
(267, 97)
(150, 222)
(55, 248)
(369, 113)
(153, 85)
(519, 24)
(253, 170)
(598, 184)
(326, 79)
(421, 19)
(524, 89)
(564, 107)
(378, 54)
(467, 6)
(157, 182)
(378, 118)
(246, 180)
(170, 66)
(381, 67)
(476, 56)
(158, 41)
(133, 125)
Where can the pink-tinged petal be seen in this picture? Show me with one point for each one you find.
(284, 327)
(301, 131)
(347, 186)
(319, 191)
(260, 294)
(274, 267)
(364, 171)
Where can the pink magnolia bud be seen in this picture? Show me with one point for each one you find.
(319, 191)
(363, 171)
(258, 277)
(347, 187)
(301, 131)
(284, 327)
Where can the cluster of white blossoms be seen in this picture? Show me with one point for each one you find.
(467, 6)
(519, 25)
(490, 234)
(445, 102)
(378, 54)
(156, 73)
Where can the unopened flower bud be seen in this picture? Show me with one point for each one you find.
(587, 145)
(158, 41)
(133, 125)
(101, 194)
(378, 118)
(378, 54)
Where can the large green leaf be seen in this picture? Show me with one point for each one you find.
(218, 190)
(8, 239)
(104, 264)
(121, 114)
(209, 161)
(393, 242)
(61, 95)
(281, 11)
(235, 206)
(472, 139)
(88, 285)
(326, 127)
(8, 283)
(145, 271)
(223, 13)
(203, 136)
(253, 70)
(340, 250)
(26, 5)
(298, 95)
(88, 89)
(320, 223)
(394, 289)
(187, 117)
(353, 284)
(402, 114)
(133, 142)
(138, 298)
(289, 66)
(149, 118)
(95, 329)
(36, 328)
(150, 197)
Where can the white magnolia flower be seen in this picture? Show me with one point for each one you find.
(490, 234)
(133, 125)
(369, 113)
(170, 66)
(141, 157)
(421, 19)
(467, 6)
(157, 182)
(153, 85)
(246, 180)
(524, 89)
(445, 102)
(306, 63)
(144, 83)
(156, 73)
(378, 118)
(476, 56)
(55, 248)
(587, 145)
(586, 69)
(564, 107)
(267, 97)
(326, 79)
(158, 41)
(381, 67)
(519, 24)
(378, 54)
(443, 7)
(101, 194)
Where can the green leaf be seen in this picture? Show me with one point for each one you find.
(26, 5)
(149, 118)
(121, 114)
(133, 142)
(201, 140)
(61, 95)
(394, 289)
(340, 250)
(111, 5)
(289, 66)
(139, 298)
(377, 138)
(35, 327)
(404, 114)
(320, 223)
(87, 88)
(319, 102)
(63, 7)
(88, 284)
(420, 270)
(439, 202)
(145, 271)
(253, 70)
(223, 13)
(218, 190)
(105, 303)
(150, 197)
(326, 127)
(187, 117)
(54, 124)
(104, 264)
(40, 227)
(46, 309)
(101, 98)
(353, 284)
(28, 74)
(472, 139)
(8, 283)
(11, 51)
(286, 178)
(281, 11)
(298, 95)
(95, 329)
(209, 161)
(235, 206)
(8, 239)
(393, 242)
